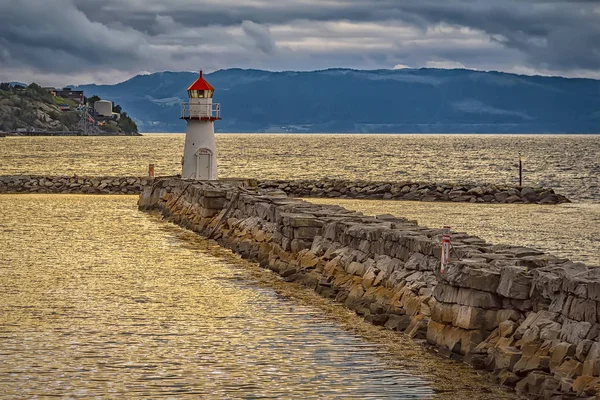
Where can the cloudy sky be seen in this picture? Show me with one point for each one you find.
(58, 42)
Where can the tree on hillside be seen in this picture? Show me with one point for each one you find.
(93, 99)
(36, 92)
(127, 124)
(117, 109)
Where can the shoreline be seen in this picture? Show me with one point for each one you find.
(62, 134)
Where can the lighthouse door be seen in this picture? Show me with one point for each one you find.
(203, 164)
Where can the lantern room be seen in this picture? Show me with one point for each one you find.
(200, 89)
(200, 105)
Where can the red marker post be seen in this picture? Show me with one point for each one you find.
(151, 170)
(445, 248)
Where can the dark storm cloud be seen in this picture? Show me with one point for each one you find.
(56, 36)
(556, 34)
(111, 39)
(260, 35)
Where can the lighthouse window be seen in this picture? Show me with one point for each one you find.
(200, 94)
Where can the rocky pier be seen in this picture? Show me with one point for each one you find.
(325, 188)
(72, 184)
(419, 191)
(530, 319)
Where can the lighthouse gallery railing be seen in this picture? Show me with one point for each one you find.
(201, 111)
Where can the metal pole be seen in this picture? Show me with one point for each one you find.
(445, 248)
(520, 170)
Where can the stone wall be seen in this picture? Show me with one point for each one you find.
(465, 193)
(531, 319)
(72, 184)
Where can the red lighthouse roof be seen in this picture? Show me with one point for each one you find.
(201, 84)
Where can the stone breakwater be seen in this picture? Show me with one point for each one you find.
(465, 193)
(72, 184)
(531, 319)
(306, 188)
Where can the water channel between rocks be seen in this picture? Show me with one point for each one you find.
(98, 299)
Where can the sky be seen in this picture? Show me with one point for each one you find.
(60, 42)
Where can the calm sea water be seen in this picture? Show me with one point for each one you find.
(98, 299)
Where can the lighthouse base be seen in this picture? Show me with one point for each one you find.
(200, 153)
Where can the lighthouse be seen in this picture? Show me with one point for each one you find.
(200, 153)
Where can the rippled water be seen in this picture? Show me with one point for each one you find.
(571, 164)
(98, 299)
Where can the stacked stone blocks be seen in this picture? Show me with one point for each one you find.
(529, 318)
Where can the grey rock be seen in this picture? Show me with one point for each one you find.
(515, 282)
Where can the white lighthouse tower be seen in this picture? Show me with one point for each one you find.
(200, 153)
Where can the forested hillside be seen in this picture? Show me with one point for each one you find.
(342, 100)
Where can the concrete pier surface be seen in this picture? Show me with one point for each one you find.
(532, 320)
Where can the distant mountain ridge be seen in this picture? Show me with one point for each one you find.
(377, 101)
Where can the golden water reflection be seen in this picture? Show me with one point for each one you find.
(99, 299)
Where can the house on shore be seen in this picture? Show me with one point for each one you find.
(67, 93)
